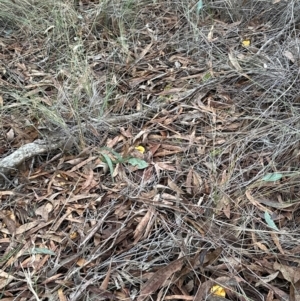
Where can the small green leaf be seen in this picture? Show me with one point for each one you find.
(199, 6)
(270, 222)
(141, 164)
(272, 177)
(118, 156)
(40, 251)
(109, 163)
(206, 76)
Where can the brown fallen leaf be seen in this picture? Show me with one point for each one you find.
(164, 166)
(52, 279)
(10, 224)
(104, 284)
(290, 273)
(88, 181)
(158, 279)
(203, 291)
(295, 292)
(44, 211)
(191, 266)
(267, 279)
(144, 52)
(270, 296)
(211, 257)
(166, 152)
(97, 293)
(255, 202)
(142, 224)
(61, 295)
(234, 61)
(262, 247)
(27, 227)
(188, 182)
(5, 279)
(174, 187)
(279, 293)
(277, 242)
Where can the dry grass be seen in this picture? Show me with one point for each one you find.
(215, 117)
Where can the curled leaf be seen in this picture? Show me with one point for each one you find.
(246, 43)
(218, 290)
(140, 148)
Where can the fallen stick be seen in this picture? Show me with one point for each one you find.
(10, 163)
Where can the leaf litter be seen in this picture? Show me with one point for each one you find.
(191, 184)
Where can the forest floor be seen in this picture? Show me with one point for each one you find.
(149, 150)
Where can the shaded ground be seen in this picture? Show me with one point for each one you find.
(170, 150)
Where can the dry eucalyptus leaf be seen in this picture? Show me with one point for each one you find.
(44, 211)
(10, 224)
(5, 279)
(234, 62)
(290, 273)
(158, 279)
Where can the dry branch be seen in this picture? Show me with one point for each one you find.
(27, 151)
(10, 163)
